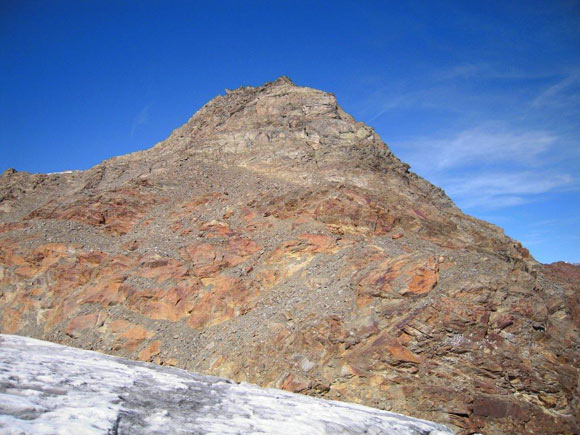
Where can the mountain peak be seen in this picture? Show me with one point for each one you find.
(282, 80)
(274, 239)
(283, 128)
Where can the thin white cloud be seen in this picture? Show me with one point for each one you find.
(491, 202)
(383, 101)
(490, 144)
(492, 190)
(496, 183)
(457, 89)
(536, 238)
(462, 71)
(140, 119)
(554, 93)
(489, 167)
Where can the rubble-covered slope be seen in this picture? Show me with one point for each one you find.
(47, 388)
(273, 239)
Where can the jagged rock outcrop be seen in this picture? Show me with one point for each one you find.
(273, 239)
(48, 388)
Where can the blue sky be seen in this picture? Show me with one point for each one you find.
(481, 98)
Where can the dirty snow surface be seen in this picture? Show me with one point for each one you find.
(47, 388)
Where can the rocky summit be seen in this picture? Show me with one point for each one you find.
(273, 239)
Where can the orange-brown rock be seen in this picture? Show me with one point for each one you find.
(209, 258)
(127, 334)
(222, 298)
(274, 239)
(116, 211)
(77, 325)
(162, 269)
(170, 303)
(216, 229)
(422, 279)
(294, 384)
(150, 351)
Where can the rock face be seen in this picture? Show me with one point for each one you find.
(48, 388)
(273, 239)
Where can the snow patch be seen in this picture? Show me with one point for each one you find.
(52, 389)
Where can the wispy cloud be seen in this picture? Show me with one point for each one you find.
(492, 190)
(462, 71)
(509, 183)
(489, 166)
(486, 144)
(494, 136)
(477, 88)
(554, 93)
(385, 100)
(140, 119)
